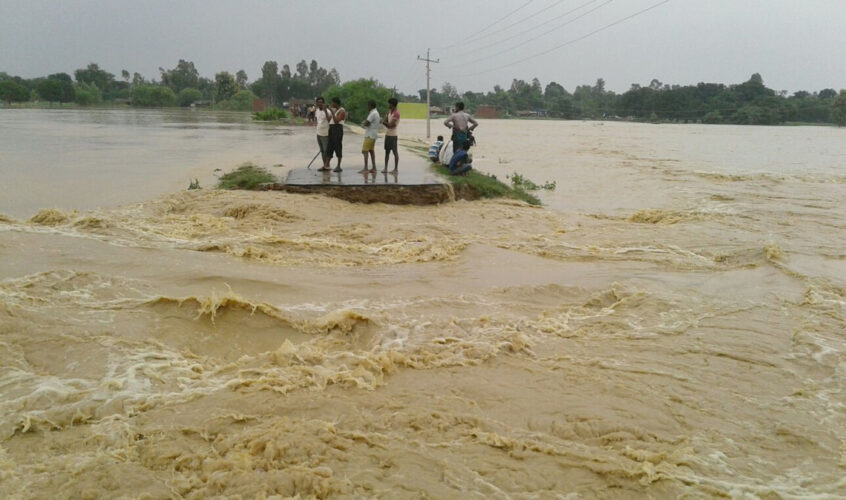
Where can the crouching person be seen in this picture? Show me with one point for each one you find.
(435, 149)
(461, 163)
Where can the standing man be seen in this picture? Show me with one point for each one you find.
(338, 116)
(391, 122)
(371, 133)
(461, 124)
(322, 117)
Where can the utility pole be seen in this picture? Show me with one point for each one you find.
(428, 113)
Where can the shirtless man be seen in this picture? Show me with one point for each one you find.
(461, 124)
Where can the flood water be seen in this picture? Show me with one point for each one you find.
(672, 322)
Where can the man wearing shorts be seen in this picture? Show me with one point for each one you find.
(391, 122)
(371, 132)
(338, 117)
(322, 117)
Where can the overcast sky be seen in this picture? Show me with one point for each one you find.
(793, 44)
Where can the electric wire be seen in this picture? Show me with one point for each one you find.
(559, 2)
(497, 54)
(570, 42)
(488, 26)
(408, 75)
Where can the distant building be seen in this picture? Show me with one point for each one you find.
(259, 105)
(526, 113)
(487, 112)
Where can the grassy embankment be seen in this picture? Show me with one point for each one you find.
(479, 184)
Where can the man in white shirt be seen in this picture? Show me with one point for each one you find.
(322, 117)
(371, 133)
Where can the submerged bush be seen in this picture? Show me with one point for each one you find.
(270, 114)
(526, 184)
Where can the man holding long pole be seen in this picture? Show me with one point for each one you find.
(323, 117)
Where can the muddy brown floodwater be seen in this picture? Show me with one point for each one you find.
(670, 324)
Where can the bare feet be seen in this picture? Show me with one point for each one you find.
(337, 169)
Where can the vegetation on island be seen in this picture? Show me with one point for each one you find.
(247, 176)
(479, 184)
(747, 103)
(486, 186)
(524, 183)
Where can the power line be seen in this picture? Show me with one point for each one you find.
(521, 20)
(570, 42)
(538, 26)
(488, 26)
(411, 72)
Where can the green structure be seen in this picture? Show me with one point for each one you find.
(412, 109)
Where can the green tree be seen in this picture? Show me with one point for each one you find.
(153, 96)
(355, 94)
(838, 114)
(56, 88)
(827, 94)
(87, 94)
(11, 91)
(320, 79)
(93, 75)
(268, 86)
(241, 79)
(712, 117)
(449, 93)
(241, 101)
(554, 90)
(189, 96)
(184, 75)
(224, 86)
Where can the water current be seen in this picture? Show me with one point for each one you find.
(672, 323)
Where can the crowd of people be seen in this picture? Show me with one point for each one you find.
(329, 124)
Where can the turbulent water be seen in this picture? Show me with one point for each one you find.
(671, 324)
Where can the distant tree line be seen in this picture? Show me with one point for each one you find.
(747, 103)
(750, 102)
(178, 86)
